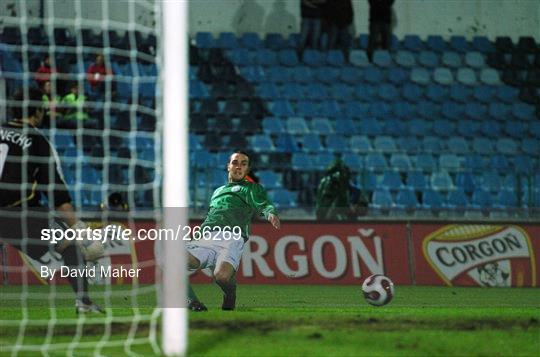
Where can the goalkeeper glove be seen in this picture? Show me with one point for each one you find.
(92, 249)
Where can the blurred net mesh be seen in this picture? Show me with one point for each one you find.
(103, 125)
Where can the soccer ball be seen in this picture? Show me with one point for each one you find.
(378, 290)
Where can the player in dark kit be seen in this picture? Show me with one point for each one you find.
(29, 168)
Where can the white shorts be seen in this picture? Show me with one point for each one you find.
(210, 253)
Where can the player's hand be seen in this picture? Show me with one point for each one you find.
(274, 220)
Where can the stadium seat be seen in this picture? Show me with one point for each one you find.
(482, 44)
(476, 111)
(443, 76)
(413, 43)
(416, 180)
(227, 40)
(350, 75)
(380, 110)
(507, 94)
(250, 40)
(515, 129)
(481, 199)
(382, 58)
(482, 146)
(431, 200)
(491, 181)
(507, 146)
(254, 74)
(523, 111)
(274, 41)
(391, 180)
(204, 40)
(282, 198)
(302, 161)
(436, 93)
(375, 162)
(311, 143)
(322, 161)
(266, 58)
(397, 75)
(286, 143)
(385, 144)
(466, 76)
(465, 181)
(365, 92)
(327, 75)
(354, 109)
(484, 93)
(419, 127)
(353, 161)
(344, 126)
(370, 126)
(457, 199)
(432, 144)
(315, 92)
(405, 59)
(490, 76)
(382, 199)
(403, 110)
(523, 164)
(270, 179)
(321, 126)
(400, 161)
(459, 44)
(406, 199)
(313, 58)
(449, 162)
(359, 58)
(373, 75)
(336, 144)
(436, 43)
(452, 110)
(262, 143)
(341, 92)
(441, 181)
(428, 59)
(443, 128)
(474, 60)
(302, 74)
(420, 76)
(458, 145)
(499, 163)
(460, 93)
(530, 146)
(297, 125)
(506, 199)
(451, 59)
(526, 44)
(534, 129)
(491, 129)
(329, 108)
(388, 92)
(335, 58)
(411, 92)
(409, 144)
(281, 108)
(468, 128)
(425, 162)
(360, 144)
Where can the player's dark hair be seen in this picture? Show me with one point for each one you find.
(26, 106)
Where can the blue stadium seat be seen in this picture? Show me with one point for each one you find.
(385, 144)
(311, 143)
(507, 94)
(286, 143)
(416, 180)
(413, 43)
(281, 108)
(262, 143)
(322, 161)
(523, 111)
(474, 162)
(491, 129)
(329, 108)
(336, 144)
(265, 57)
(428, 109)
(523, 164)
(484, 94)
(268, 91)
(491, 181)
(313, 58)
(327, 75)
(344, 126)
(459, 44)
(482, 44)
(499, 110)
(465, 181)
(204, 40)
(468, 128)
(292, 91)
(397, 75)
(382, 199)
(530, 146)
(194, 142)
(315, 91)
(341, 92)
(449, 162)
(227, 40)
(360, 144)
(474, 60)
(436, 43)
(282, 198)
(308, 109)
(270, 179)
(382, 58)
(288, 57)
(391, 180)
(490, 76)
(499, 163)
(302, 161)
(251, 40)
(444, 128)
(279, 74)
(515, 129)
(432, 144)
(425, 162)
(443, 76)
(405, 59)
(274, 41)
(394, 127)
(420, 76)
(381, 110)
(431, 200)
(388, 92)
(466, 76)
(458, 145)
(534, 129)
(457, 199)
(375, 162)
(321, 126)
(451, 59)
(273, 125)
(428, 59)
(356, 110)
(364, 92)
(436, 93)
(452, 110)
(412, 92)
(351, 75)
(303, 74)
(406, 199)
(297, 125)
(201, 159)
(253, 74)
(370, 126)
(419, 127)
(476, 111)
(481, 199)
(335, 58)
(353, 161)
(441, 181)
(368, 180)
(400, 161)
(239, 57)
(506, 199)
(403, 110)
(373, 75)
(507, 146)
(359, 58)
(460, 93)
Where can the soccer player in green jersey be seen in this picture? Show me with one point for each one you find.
(232, 208)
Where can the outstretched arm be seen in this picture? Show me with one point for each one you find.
(274, 220)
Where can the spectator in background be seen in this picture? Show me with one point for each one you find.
(73, 106)
(50, 101)
(339, 17)
(44, 72)
(380, 22)
(97, 73)
(310, 27)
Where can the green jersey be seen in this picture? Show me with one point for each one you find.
(235, 204)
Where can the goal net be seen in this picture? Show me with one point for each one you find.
(98, 65)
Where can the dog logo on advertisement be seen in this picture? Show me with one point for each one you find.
(482, 255)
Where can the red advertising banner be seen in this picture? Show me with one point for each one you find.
(313, 253)
(476, 254)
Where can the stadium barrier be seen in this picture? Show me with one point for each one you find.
(346, 253)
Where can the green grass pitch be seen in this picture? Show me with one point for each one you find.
(304, 320)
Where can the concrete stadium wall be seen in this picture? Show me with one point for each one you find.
(423, 17)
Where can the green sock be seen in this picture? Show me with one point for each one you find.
(191, 294)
